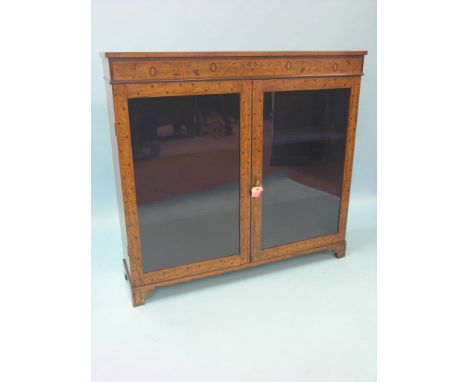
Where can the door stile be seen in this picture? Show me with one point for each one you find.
(122, 131)
(257, 159)
(245, 169)
(349, 155)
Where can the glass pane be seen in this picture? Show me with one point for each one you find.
(303, 157)
(186, 165)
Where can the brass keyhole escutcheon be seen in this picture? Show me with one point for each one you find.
(288, 66)
(335, 67)
(213, 67)
(153, 71)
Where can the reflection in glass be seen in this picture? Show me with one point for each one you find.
(303, 158)
(186, 165)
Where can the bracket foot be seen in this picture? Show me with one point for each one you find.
(340, 250)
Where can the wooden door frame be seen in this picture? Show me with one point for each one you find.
(139, 280)
(258, 89)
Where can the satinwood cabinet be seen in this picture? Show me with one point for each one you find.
(229, 160)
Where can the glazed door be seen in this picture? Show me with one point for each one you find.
(302, 134)
(191, 169)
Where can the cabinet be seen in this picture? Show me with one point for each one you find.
(229, 160)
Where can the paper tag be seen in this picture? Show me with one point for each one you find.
(257, 191)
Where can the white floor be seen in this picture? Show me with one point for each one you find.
(307, 319)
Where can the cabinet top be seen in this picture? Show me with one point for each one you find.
(233, 54)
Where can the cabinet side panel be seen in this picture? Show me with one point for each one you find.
(116, 164)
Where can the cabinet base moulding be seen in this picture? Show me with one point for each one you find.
(140, 293)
